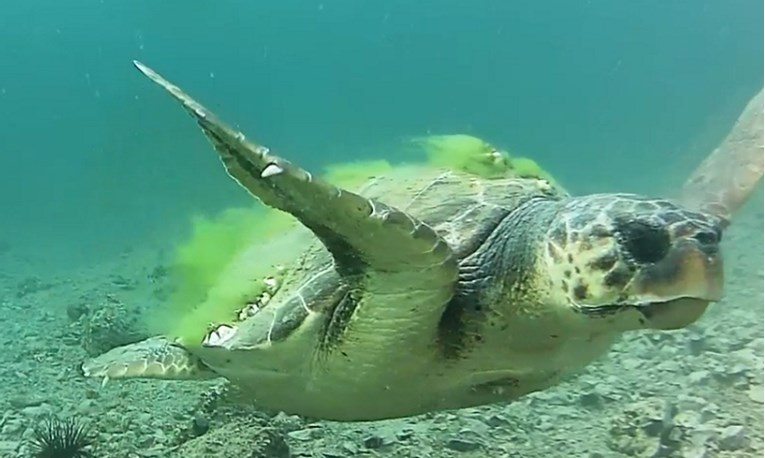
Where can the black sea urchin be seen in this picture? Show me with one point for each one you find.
(55, 438)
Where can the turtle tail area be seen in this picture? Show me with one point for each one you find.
(156, 357)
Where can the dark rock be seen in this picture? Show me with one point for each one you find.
(333, 454)
(22, 401)
(495, 421)
(199, 425)
(662, 451)
(373, 442)
(697, 343)
(462, 445)
(158, 274)
(123, 283)
(591, 400)
(76, 311)
(654, 427)
(405, 433)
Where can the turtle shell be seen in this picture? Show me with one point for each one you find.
(461, 206)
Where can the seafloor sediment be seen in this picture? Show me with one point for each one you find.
(692, 393)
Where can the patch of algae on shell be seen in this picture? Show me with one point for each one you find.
(224, 263)
(472, 155)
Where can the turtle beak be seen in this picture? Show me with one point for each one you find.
(674, 314)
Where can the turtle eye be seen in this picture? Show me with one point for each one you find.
(708, 237)
(647, 243)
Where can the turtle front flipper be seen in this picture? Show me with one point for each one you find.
(156, 357)
(378, 250)
(726, 178)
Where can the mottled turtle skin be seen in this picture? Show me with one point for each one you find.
(431, 289)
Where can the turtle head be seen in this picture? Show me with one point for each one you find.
(634, 262)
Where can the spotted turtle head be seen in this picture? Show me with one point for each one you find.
(640, 262)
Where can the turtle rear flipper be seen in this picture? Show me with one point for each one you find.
(726, 178)
(377, 249)
(156, 357)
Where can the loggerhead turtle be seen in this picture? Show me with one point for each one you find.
(433, 289)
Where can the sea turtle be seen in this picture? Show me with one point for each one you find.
(431, 289)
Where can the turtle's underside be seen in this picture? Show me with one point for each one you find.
(430, 288)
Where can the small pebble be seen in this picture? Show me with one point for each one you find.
(86, 407)
(20, 402)
(301, 434)
(699, 377)
(733, 438)
(349, 448)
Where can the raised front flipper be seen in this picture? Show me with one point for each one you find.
(380, 251)
(726, 178)
(156, 357)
